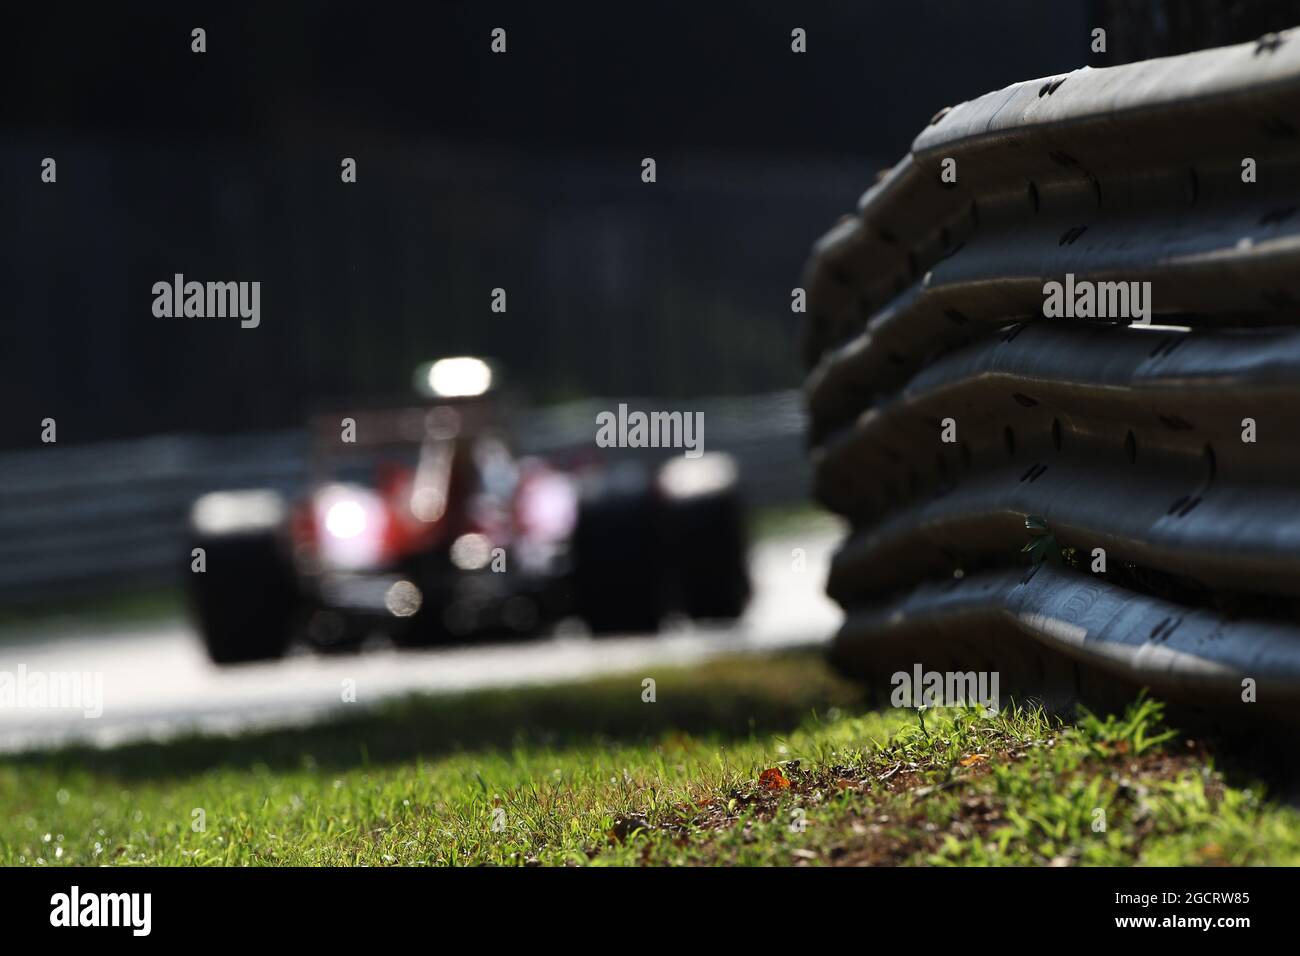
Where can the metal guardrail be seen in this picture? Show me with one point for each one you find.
(94, 518)
(951, 420)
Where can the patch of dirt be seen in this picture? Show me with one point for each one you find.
(892, 825)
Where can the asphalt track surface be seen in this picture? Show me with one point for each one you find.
(157, 681)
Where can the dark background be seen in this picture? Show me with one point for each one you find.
(475, 171)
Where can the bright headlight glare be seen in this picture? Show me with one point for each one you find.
(345, 518)
(459, 377)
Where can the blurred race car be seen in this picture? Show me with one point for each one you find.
(425, 527)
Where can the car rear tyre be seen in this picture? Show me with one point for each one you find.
(246, 598)
(706, 522)
(618, 554)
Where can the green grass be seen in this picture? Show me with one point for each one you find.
(127, 607)
(739, 761)
(781, 520)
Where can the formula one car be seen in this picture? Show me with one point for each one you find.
(420, 524)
